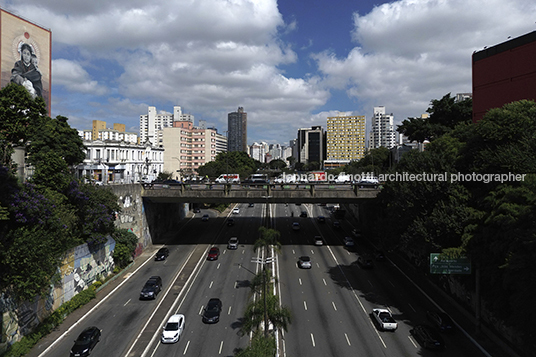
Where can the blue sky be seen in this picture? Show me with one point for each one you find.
(290, 64)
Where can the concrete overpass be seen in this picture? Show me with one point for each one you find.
(250, 193)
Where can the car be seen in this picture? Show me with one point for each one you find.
(441, 320)
(321, 219)
(296, 226)
(173, 329)
(427, 337)
(86, 341)
(319, 240)
(304, 262)
(336, 224)
(385, 319)
(213, 253)
(233, 243)
(251, 205)
(365, 262)
(211, 314)
(348, 241)
(356, 232)
(303, 214)
(197, 210)
(204, 218)
(230, 222)
(172, 182)
(379, 255)
(236, 210)
(151, 288)
(162, 254)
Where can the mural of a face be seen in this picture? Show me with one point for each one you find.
(26, 56)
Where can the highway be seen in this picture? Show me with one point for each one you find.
(330, 303)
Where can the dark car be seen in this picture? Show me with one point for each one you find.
(251, 205)
(197, 210)
(213, 253)
(441, 320)
(230, 222)
(380, 255)
(336, 224)
(365, 262)
(321, 219)
(86, 342)
(172, 182)
(428, 337)
(303, 214)
(151, 288)
(162, 254)
(212, 312)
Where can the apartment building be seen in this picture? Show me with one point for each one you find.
(382, 131)
(237, 127)
(345, 140)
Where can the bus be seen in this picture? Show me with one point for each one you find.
(228, 178)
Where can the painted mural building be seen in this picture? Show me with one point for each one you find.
(25, 55)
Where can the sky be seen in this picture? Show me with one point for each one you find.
(290, 63)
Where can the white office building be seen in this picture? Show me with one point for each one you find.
(152, 123)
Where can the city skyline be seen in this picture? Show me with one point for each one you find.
(272, 58)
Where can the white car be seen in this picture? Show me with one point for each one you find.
(348, 241)
(319, 240)
(304, 262)
(233, 243)
(385, 319)
(173, 329)
(236, 210)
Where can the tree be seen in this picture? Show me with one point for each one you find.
(19, 116)
(277, 164)
(125, 245)
(445, 115)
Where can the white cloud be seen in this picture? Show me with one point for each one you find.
(412, 51)
(74, 78)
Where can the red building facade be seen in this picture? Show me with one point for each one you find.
(503, 74)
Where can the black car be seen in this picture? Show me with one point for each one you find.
(212, 311)
(380, 255)
(251, 205)
(151, 288)
(303, 214)
(321, 219)
(86, 342)
(162, 254)
(197, 210)
(365, 262)
(428, 337)
(172, 182)
(441, 320)
(230, 222)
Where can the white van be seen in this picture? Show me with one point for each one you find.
(228, 178)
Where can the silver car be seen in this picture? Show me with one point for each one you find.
(304, 262)
(233, 243)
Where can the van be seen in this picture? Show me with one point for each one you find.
(228, 178)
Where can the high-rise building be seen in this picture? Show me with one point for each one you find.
(382, 132)
(345, 140)
(152, 123)
(310, 144)
(237, 126)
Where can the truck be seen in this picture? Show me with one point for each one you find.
(228, 178)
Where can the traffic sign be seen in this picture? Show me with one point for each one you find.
(443, 265)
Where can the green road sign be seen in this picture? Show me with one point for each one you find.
(440, 265)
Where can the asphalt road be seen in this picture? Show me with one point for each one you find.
(330, 303)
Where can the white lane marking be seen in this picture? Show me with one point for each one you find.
(235, 284)
(312, 251)
(221, 347)
(218, 267)
(347, 339)
(210, 286)
(300, 281)
(326, 284)
(334, 307)
(200, 311)
(412, 307)
(186, 348)
(229, 312)
(305, 304)
(127, 302)
(414, 344)
(293, 251)
(313, 339)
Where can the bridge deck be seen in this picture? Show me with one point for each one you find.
(233, 193)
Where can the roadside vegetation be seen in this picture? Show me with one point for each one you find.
(471, 213)
(52, 212)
